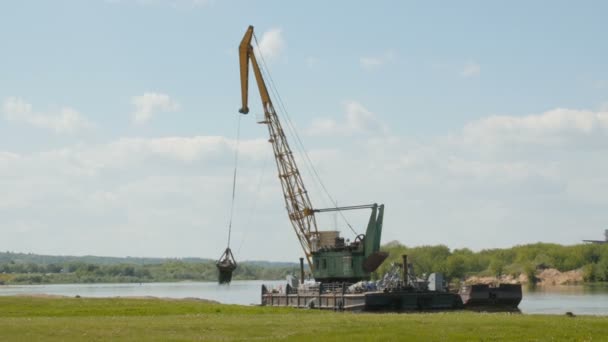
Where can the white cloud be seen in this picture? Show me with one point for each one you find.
(169, 196)
(372, 62)
(78, 199)
(272, 44)
(600, 84)
(522, 179)
(126, 153)
(471, 69)
(357, 120)
(312, 62)
(65, 120)
(184, 149)
(549, 128)
(148, 104)
(172, 3)
(201, 2)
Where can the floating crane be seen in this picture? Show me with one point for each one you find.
(329, 257)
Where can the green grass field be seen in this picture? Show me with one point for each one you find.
(87, 319)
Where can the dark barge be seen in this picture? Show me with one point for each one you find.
(478, 297)
(489, 297)
(336, 297)
(398, 291)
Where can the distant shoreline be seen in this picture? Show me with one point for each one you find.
(540, 264)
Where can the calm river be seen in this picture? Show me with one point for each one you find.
(579, 299)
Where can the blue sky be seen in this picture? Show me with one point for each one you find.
(466, 119)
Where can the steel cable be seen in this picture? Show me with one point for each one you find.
(236, 163)
(299, 143)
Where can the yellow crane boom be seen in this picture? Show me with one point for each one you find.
(296, 198)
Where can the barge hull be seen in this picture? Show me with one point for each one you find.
(376, 301)
(412, 301)
(490, 298)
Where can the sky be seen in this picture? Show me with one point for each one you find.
(478, 124)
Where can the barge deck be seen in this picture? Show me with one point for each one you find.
(336, 298)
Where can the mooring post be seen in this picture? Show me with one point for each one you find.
(320, 292)
(405, 282)
(301, 270)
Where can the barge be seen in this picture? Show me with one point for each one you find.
(504, 297)
(393, 294)
(338, 298)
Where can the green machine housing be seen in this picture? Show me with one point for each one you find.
(337, 261)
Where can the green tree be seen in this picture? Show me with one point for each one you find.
(455, 267)
(496, 267)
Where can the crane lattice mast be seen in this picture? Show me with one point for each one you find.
(298, 204)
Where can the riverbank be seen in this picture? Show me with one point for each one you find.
(65, 319)
(546, 277)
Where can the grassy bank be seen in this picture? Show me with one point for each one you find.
(28, 318)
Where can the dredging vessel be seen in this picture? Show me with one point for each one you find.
(394, 294)
(342, 269)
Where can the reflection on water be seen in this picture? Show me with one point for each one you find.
(238, 292)
(579, 299)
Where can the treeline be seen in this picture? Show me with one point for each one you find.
(592, 259)
(17, 268)
(20, 272)
(41, 259)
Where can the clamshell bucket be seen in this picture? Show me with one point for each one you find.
(226, 265)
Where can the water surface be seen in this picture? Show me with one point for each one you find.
(238, 292)
(579, 299)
